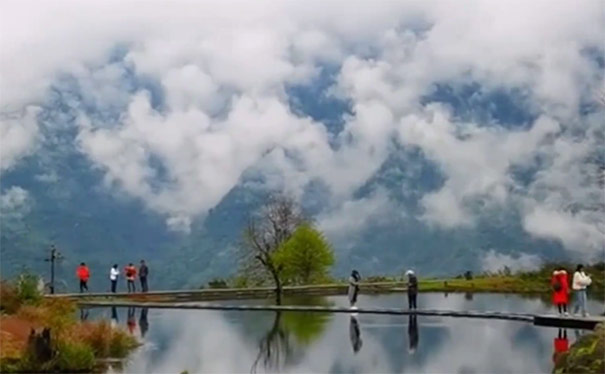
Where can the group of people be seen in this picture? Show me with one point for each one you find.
(412, 288)
(561, 290)
(560, 284)
(130, 274)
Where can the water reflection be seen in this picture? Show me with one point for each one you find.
(143, 324)
(561, 344)
(273, 348)
(413, 333)
(114, 317)
(84, 313)
(131, 321)
(210, 341)
(355, 334)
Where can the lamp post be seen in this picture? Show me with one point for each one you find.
(54, 256)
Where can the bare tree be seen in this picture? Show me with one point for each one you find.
(266, 232)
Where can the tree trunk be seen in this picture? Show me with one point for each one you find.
(278, 287)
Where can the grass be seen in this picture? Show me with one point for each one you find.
(77, 345)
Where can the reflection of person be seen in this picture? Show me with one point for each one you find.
(83, 314)
(561, 344)
(355, 335)
(131, 322)
(413, 332)
(560, 286)
(143, 324)
(412, 289)
(114, 316)
(579, 284)
(353, 287)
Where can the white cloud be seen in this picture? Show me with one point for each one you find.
(224, 67)
(352, 216)
(17, 136)
(493, 261)
(15, 203)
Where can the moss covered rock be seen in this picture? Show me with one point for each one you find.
(586, 355)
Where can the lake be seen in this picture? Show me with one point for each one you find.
(245, 342)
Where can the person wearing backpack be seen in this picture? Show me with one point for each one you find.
(412, 289)
(130, 272)
(560, 287)
(579, 284)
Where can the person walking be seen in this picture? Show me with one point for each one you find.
(84, 275)
(113, 277)
(353, 290)
(560, 286)
(579, 283)
(130, 272)
(412, 289)
(143, 273)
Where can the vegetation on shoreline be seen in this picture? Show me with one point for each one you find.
(586, 355)
(505, 281)
(65, 344)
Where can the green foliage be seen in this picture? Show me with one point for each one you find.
(218, 283)
(27, 288)
(74, 357)
(306, 326)
(306, 257)
(586, 355)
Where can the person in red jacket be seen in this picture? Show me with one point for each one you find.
(131, 273)
(83, 274)
(560, 286)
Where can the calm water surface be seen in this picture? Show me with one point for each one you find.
(245, 342)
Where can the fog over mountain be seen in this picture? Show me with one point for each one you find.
(438, 135)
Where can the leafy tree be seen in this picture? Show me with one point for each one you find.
(266, 232)
(306, 257)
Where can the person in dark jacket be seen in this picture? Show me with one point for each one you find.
(412, 289)
(143, 273)
(353, 290)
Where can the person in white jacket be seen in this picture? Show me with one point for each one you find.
(579, 283)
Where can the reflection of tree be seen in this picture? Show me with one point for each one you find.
(273, 348)
(277, 347)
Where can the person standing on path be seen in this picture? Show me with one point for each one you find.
(130, 272)
(84, 275)
(412, 289)
(113, 277)
(353, 288)
(579, 284)
(143, 273)
(560, 286)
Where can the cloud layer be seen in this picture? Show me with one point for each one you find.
(216, 104)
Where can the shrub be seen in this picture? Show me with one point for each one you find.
(74, 357)
(27, 288)
(217, 283)
(9, 298)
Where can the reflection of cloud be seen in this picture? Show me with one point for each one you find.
(211, 342)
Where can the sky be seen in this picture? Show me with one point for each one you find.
(179, 97)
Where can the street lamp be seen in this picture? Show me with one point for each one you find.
(54, 256)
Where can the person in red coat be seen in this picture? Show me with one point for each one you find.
(83, 274)
(560, 286)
